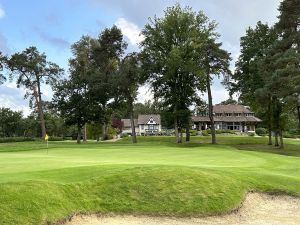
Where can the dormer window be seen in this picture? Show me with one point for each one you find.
(228, 114)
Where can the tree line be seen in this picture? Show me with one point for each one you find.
(179, 57)
(267, 75)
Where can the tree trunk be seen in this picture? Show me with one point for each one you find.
(270, 123)
(188, 135)
(133, 134)
(104, 131)
(298, 111)
(176, 130)
(180, 135)
(210, 111)
(270, 137)
(40, 109)
(78, 134)
(281, 146)
(276, 139)
(84, 133)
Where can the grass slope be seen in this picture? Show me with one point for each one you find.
(153, 177)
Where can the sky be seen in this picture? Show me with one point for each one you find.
(53, 25)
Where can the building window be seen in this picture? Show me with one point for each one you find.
(151, 127)
(142, 126)
(228, 114)
(237, 114)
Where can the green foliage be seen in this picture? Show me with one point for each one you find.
(193, 132)
(2, 62)
(229, 101)
(52, 138)
(112, 132)
(171, 59)
(15, 139)
(11, 123)
(124, 135)
(261, 131)
(205, 133)
(94, 131)
(208, 132)
(31, 69)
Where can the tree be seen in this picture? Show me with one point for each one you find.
(2, 61)
(31, 69)
(216, 62)
(70, 99)
(251, 74)
(106, 56)
(229, 101)
(71, 96)
(11, 122)
(287, 53)
(82, 66)
(171, 60)
(129, 79)
(283, 63)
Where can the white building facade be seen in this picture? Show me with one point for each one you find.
(144, 125)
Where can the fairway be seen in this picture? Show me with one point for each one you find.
(154, 177)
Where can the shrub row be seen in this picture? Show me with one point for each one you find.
(208, 132)
(15, 139)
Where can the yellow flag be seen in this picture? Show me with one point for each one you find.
(46, 137)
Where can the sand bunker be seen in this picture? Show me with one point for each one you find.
(257, 209)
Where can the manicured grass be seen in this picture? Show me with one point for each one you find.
(155, 176)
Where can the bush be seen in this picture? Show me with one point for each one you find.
(125, 135)
(205, 133)
(224, 131)
(55, 138)
(289, 135)
(261, 131)
(15, 139)
(193, 132)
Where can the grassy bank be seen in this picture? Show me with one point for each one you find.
(155, 176)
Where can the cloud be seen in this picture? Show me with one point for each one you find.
(2, 12)
(12, 97)
(55, 41)
(130, 30)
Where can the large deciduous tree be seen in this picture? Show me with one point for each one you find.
(31, 69)
(71, 95)
(106, 57)
(171, 60)
(129, 79)
(11, 123)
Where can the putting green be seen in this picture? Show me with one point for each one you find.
(153, 177)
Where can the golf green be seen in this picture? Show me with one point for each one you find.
(155, 177)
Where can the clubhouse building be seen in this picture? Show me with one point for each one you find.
(228, 117)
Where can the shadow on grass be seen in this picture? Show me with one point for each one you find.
(289, 150)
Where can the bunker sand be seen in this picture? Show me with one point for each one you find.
(257, 209)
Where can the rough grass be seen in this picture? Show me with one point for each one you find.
(155, 176)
